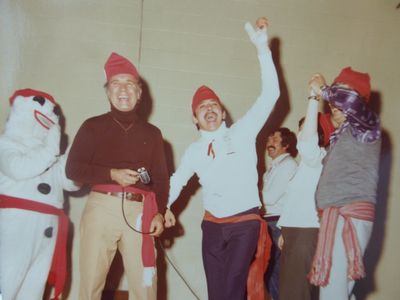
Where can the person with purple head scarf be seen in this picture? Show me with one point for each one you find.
(346, 192)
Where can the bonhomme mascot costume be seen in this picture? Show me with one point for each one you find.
(33, 226)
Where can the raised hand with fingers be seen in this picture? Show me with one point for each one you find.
(258, 35)
(316, 83)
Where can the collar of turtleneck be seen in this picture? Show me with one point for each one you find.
(212, 135)
(125, 117)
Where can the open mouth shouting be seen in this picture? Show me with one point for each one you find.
(210, 117)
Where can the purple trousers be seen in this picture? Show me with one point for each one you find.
(228, 250)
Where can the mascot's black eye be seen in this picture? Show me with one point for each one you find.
(57, 110)
(39, 99)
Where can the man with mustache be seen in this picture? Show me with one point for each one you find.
(281, 148)
(225, 161)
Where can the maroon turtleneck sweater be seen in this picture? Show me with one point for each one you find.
(119, 140)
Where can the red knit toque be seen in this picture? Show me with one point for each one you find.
(203, 93)
(356, 80)
(117, 64)
(30, 93)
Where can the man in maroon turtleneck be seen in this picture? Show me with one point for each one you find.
(107, 153)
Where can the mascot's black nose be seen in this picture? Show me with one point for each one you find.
(39, 99)
(44, 188)
(48, 232)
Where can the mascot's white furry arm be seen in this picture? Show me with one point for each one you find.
(33, 226)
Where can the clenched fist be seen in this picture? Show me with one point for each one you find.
(258, 35)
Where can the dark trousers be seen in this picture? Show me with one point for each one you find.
(296, 258)
(272, 273)
(228, 250)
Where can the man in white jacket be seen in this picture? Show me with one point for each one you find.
(225, 161)
(33, 226)
(281, 148)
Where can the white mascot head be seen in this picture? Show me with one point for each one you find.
(32, 114)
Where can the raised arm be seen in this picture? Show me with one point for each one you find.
(308, 139)
(310, 125)
(255, 118)
(364, 123)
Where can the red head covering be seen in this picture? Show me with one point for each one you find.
(117, 64)
(31, 93)
(356, 80)
(203, 93)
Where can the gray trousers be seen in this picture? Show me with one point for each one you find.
(296, 258)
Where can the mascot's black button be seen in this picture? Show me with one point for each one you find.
(48, 232)
(44, 188)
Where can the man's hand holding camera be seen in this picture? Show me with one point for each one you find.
(124, 177)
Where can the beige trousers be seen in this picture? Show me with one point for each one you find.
(103, 230)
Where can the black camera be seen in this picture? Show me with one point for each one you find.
(144, 175)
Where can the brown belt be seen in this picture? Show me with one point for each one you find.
(127, 195)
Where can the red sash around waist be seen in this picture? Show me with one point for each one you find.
(58, 268)
(255, 279)
(322, 262)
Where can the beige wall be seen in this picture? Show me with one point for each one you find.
(60, 47)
